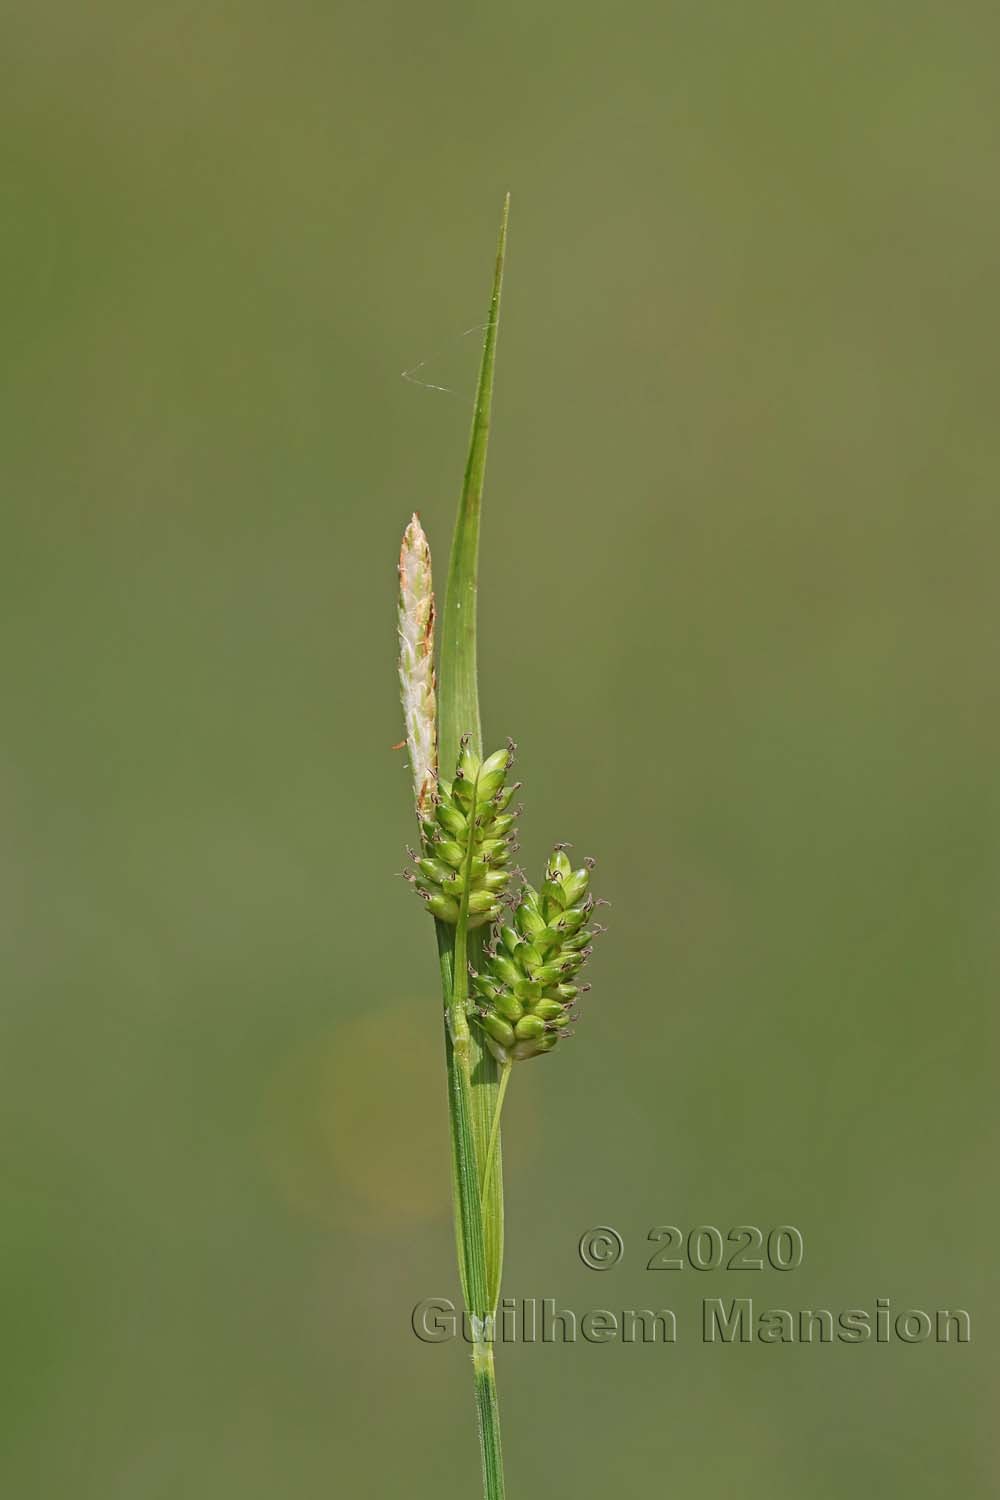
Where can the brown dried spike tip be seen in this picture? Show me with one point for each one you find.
(416, 661)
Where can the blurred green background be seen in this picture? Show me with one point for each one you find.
(738, 608)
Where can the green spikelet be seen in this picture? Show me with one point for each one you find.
(472, 807)
(527, 992)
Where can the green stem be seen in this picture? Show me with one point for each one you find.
(488, 1412)
(469, 1203)
(491, 1149)
(469, 1238)
(472, 1071)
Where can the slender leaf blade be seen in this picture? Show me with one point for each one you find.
(458, 686)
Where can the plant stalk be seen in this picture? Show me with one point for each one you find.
(488, 1412)
(472, 1071)
(481, 1307)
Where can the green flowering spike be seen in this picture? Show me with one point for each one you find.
(532, 959)
(467, 844)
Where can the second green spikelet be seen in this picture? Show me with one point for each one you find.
(526, 995)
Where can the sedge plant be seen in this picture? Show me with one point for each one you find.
(509, 953)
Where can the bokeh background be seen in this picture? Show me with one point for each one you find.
(739, 609)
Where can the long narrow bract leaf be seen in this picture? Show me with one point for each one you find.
(458, 686)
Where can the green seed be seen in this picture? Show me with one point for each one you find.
(468, 762)
(575, 885)
(523, 1050)
(461, 791)
(488, 786)
(529, 1027)
(505, 970)
(553, 897)
(569, 921)
(488, 848)
(508, 1006)
(451, 820)
(450, 851)
(549, 973)
(500, 1053)
(498, 761)
(529, 920)
(498, 1029)
(444, 908)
